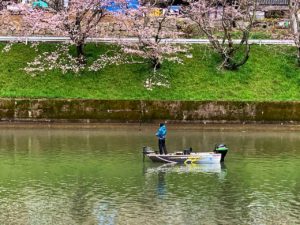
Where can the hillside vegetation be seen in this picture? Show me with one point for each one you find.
(269, 75)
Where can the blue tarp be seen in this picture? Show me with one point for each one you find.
(115, 7)
(40, 4)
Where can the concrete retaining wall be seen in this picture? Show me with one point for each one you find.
(88, 111)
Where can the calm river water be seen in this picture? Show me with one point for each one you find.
(97, 176)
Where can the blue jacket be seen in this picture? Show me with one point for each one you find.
(161, 132)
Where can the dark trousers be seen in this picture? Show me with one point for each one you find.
(162, 146)
(223, 154)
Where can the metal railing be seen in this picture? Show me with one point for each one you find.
(274, 2)
(115, 40)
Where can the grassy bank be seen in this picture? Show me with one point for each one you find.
(269, 75)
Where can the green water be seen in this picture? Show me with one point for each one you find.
(96, 176)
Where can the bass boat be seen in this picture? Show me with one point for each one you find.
(187, 156)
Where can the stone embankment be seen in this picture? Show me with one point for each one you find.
(136, 111)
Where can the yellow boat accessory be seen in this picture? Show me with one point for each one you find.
(192, 159)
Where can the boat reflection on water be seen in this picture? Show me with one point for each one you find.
(160, 175)
(191, 168)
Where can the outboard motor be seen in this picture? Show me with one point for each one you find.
(147, 150)
(222, 149)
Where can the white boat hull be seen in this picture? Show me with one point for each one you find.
(193, 158)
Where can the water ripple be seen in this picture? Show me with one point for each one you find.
(98, 177)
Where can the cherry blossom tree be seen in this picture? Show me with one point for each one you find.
(4, 3)
(77, 21)
(62, 60)
(294, 12)
(219, 20)
(9, 25)
(4, 19)
(152, 28)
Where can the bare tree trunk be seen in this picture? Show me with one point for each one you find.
(156, 64)
(79, 39)
(80, 51)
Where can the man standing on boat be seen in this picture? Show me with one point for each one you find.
(161, 134)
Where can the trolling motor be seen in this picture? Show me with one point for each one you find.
(147, 150)
(222, 149)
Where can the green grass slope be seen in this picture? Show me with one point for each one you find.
(269, 75)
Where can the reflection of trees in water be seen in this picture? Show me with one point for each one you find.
(35, 141)
(295, 201)
(239, 142)
(250, 189)
(36, 203)
(105, 213)
(80, 208)
(228, 199)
